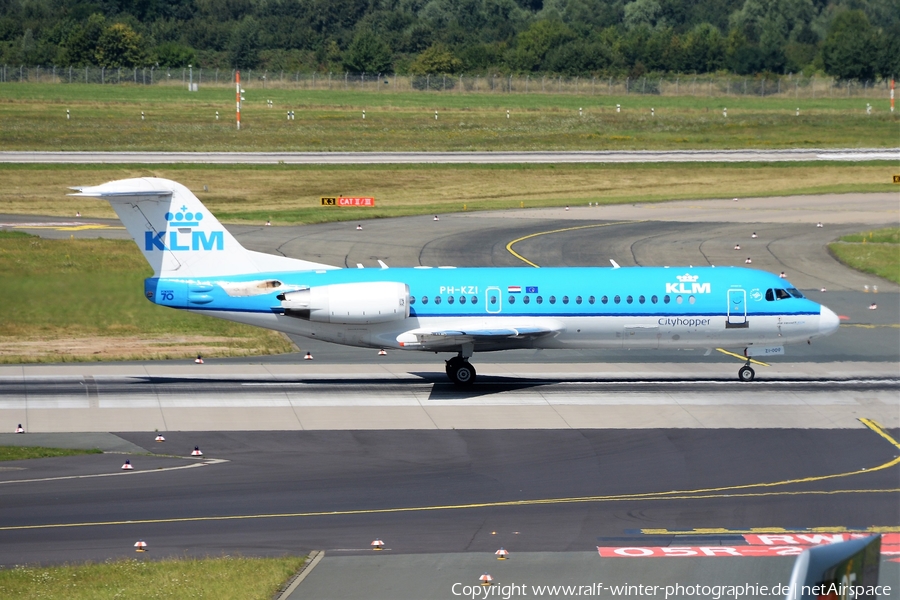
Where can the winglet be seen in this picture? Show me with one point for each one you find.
(614, 264)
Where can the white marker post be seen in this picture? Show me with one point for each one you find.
(892, 95)
(237, 84)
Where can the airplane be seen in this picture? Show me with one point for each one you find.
(200, 267)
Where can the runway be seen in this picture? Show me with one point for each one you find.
(360, 158)
(550, 455)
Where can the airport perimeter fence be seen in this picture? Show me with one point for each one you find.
(792, 85)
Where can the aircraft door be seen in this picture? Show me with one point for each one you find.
(493, 300)
(737, 309)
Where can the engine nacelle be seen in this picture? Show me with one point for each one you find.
(349, 303)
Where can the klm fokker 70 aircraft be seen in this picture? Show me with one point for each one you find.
(200, 267)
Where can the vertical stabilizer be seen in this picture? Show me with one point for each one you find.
(178, 236)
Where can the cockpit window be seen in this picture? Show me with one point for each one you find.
(781, 294)
(770, 295)
(795, 292)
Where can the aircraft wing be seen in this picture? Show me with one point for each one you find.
(431, 339)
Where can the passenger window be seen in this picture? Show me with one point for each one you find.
(691, 299)
(592, 300)
(577, 299)
(604, 299)
(512, 299)
(462, 299)
(450, 300)
(617, 299)
(654, 299)
(437, 299)
(666, 299)
(424, 299)
(679, 299)
(629, 299)
(539, 300)
(526, 299)
(475, 300)
(412, 300)
(641, 299)
(565, 299)
(493, 299)
(770, 295)
(552, 299)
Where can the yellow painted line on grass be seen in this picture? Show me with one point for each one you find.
(879, 430)
(744, 358)
(525, 237)
(411, 509)
(872, 325)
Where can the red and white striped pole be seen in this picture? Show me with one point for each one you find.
(237, 85)
(892, 95)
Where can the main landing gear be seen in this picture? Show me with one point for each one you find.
(746, 372)
(460, 371)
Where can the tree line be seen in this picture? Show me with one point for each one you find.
(848, 39)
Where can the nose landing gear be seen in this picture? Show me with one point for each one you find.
(460, 371)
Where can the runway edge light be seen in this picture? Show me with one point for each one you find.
(20, 429)
(127, 466)
(485, 579)
(196, 451)
(140, 546)
(377, 544)
(502, 554)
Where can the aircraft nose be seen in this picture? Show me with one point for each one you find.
(828, 321)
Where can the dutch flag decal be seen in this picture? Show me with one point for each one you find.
(514, 289)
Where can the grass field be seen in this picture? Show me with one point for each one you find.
(290, 194)
(33, 117)
(227, 578)
(69, 300)
(26, 452)
(876, 252)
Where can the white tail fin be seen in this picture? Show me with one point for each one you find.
(179, 236)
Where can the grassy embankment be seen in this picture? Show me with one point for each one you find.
(290, 194)
(69, 300)
(109, 118)
(26, 452)
(876, 252)
(227, 578)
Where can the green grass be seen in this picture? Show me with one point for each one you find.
(876, 252)
(108, 118)
(55, 291)
(227, 578)
(26, 452)
(290, 193)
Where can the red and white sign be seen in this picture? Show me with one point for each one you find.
(697, 551)
(356, 201)
(781, 544)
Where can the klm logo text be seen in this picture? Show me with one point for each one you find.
(687, 288)
(195, 240)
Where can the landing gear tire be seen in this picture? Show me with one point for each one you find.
(460, 371)
(746, 374)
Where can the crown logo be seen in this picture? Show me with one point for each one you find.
(183, 218)
(688, 278)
